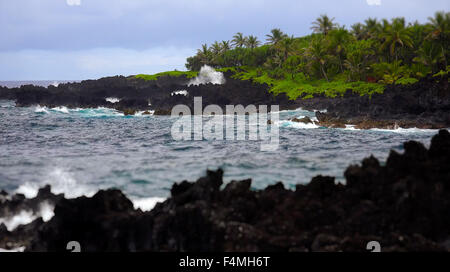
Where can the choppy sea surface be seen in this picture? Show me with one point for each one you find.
(79, 151)
(43, 83)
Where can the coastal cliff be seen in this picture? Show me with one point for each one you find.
(425, 104)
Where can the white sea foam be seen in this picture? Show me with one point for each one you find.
(40, 109)
(46, 211)
(291, 124)
(180, 92)
(29, 190)
(7, 104)
(288, 111)
(22, 218)
(61, 109)
(351, 127)
(112, 99)
(55, 83)
(97, 112)
(17, 249)
(146, 204)
(85, 112)
(141, 113)
(25, 217)
(206, 75)
(44, 109)
(301, 125)
(61, 182)
(406, 130)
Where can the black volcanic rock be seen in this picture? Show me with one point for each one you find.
(425, 104)
(104, 222)
(404, 205)
(11, 205)
(138, 94)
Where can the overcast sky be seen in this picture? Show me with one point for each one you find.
(80, 39)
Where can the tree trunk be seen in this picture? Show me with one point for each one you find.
(324, 74)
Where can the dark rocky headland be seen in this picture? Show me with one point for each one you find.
(404, 205)
(425, 104)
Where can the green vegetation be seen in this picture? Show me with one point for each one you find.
(334, 59)
(298, 85)
(188, 74)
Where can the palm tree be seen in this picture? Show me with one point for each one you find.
(317, 54)
(429, 54)
(323, 24)
(239, 40)
(396, 35)
(440, 24)
(440, 31)
(225, 46)
(252, 42)
(371, 27)
(204, 54)
(357, 58)
(358, 31)
(216, 48)
(339, 37)
(285, 47)
(276, 36)
(384, 28)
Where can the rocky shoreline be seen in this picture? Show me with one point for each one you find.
(425, 104)
(403, 204)
(135, 94)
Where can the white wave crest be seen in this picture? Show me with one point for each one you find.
(112, 99)
(301, 125)
(22, 218)
(291, 124)
(406, 130)
(141, 113)
(351, 127)
(206, 75)
(17, 249)
(61, 109)
(146, 204)
(84, 112)
(40, 109)
(180, 92)
(25, 217)
(61, 182)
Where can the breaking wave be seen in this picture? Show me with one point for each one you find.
(406, 130)
(206, 75)
(25, 216)
(84, 112)
(112, 99)
(61, 182)
(18, 249)
(146, 204)
(292, 124)
(180, 92)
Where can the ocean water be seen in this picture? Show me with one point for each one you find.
(79, 151)
(43, 83)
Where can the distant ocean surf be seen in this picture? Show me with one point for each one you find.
(43, 83)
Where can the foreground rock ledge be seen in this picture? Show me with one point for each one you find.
(404, 205)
